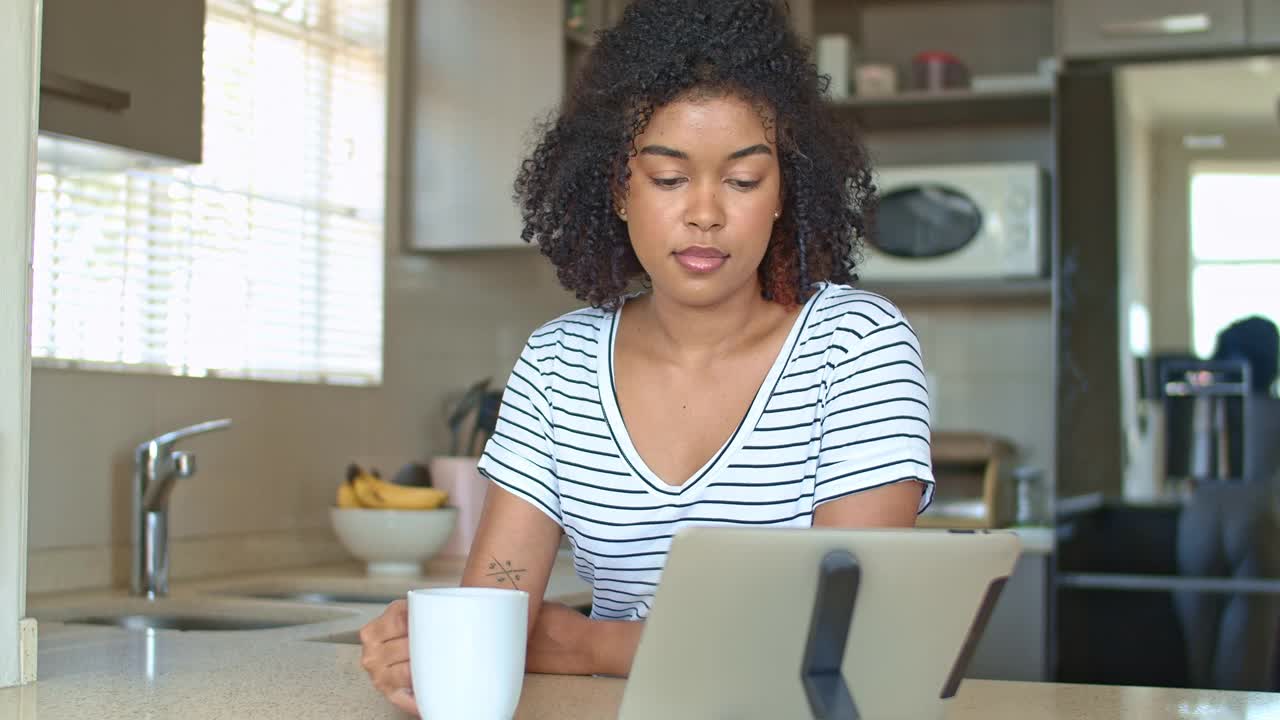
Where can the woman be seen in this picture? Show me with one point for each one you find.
(1229, 529)
(746, 383)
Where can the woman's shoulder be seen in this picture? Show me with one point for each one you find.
(586, 318)
(854, 308)
(851, 322)
(574, 333)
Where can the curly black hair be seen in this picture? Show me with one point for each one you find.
(665, 50)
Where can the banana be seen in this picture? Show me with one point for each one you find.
(372, 492)
(347, 496)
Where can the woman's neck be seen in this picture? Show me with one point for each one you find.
(694, 336)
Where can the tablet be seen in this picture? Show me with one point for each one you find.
(822, 623)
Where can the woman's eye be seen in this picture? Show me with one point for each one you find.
(744, 184)
(667, 182)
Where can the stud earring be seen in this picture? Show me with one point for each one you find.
(777, 215)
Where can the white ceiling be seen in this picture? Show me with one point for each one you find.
(1210, 94)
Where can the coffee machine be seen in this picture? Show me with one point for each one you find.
(1204, 403)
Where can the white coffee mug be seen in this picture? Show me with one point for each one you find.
(466, 651)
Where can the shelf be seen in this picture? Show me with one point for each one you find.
(915, 110)
(1037, 291)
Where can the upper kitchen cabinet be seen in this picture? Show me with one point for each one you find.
(1106, 28)
(480, 74)
(125, 74)
(1264, 23)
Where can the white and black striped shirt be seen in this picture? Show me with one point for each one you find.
(843, 409)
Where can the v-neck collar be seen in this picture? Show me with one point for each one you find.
(622, 437)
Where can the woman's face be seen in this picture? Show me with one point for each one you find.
(704, 194)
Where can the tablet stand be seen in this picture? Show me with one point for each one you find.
(829, 698)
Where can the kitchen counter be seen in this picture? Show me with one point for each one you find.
(111, 675)
(291, 672)
(1036, 540)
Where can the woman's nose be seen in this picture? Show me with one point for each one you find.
(705, 211)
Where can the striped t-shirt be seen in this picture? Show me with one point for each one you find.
(844, 408)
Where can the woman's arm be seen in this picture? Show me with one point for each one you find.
(874, 458)
(515, 547)
(883, 507)
(566, 642)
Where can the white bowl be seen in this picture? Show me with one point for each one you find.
(393, 542)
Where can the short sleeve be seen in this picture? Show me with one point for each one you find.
(519, 456)
(875, 414)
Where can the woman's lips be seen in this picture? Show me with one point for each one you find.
(700, 259)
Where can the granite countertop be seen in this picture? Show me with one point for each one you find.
(108, 673)
(111, 674)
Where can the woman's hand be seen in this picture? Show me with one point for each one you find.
(385, 655)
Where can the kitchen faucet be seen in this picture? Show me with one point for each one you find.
(156, 466)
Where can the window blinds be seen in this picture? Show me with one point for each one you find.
(265, 261)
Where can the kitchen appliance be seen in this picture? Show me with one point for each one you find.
(984, 221)
(1204, 410)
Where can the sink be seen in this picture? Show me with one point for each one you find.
(330, 591)
(320, 597)
(343, 638)
(179, 622)
(186, 614)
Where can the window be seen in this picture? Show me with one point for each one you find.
(265, 261)
(1235, 247)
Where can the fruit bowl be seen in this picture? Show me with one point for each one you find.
(393, 542)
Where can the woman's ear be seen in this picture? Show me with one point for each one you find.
(619, 195)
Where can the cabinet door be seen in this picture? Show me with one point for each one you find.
(481, 72)
(1097, 28)
(125, 73)
(1264, 23)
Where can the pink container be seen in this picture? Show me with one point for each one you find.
(460, 477)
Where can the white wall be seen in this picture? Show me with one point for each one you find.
(1135, 158)
(992, 369)
(19, 50)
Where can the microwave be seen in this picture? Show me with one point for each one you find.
(958, 222)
